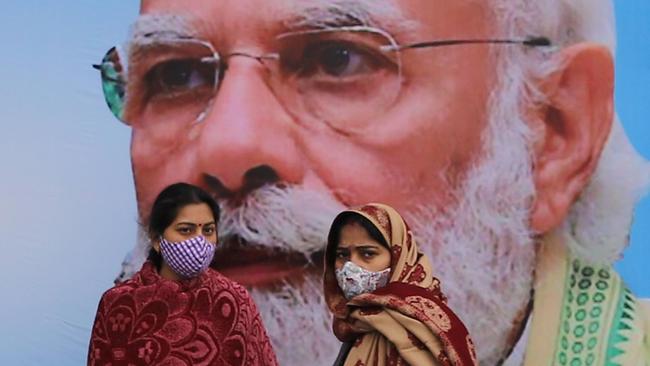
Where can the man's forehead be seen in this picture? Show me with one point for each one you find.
(197, 17)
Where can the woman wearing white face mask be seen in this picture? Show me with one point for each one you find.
(176, 310)
(388, 308)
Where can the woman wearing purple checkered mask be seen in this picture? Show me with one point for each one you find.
(176, 309)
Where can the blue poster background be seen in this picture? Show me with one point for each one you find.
(68, 209)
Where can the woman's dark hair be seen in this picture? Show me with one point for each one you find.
(166, 207)
(347, 218)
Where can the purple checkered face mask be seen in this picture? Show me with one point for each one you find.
(188, 258)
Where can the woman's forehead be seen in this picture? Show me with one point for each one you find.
(196, 213)
(355, 234)
(354, 228)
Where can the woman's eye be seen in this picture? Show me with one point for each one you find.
(208, 230)
(368, 255)
(185, 230)
(180, 76)
(341, 255)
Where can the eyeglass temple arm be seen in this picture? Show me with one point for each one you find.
(530, 42)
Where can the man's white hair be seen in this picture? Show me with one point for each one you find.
(600, 220)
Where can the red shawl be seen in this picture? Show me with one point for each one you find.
(149, 320)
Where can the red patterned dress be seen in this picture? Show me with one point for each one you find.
(150, 320)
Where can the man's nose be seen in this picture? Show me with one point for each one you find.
(248, 139)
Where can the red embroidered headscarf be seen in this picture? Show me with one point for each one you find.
(405, 322)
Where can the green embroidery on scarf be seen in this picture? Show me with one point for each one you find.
(587, 294)
(597, 318)
(622, 326)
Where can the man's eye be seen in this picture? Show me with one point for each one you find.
(177, 76)
(337, 59)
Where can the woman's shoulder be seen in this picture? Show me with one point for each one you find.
(144, 278)
(220, 281)
(120, 289)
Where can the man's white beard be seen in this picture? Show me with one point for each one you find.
(481, 250)
(293, 219)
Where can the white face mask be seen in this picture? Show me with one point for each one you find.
(354, 280)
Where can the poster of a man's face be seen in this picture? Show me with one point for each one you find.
(488, 124)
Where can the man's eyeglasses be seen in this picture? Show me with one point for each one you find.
(343, 77)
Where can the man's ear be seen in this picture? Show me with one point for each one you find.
(573, 126)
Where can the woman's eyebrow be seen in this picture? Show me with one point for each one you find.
(368, 246)
(195, 224)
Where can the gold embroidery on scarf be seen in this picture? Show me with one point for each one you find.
(432, 311)
(472, 350)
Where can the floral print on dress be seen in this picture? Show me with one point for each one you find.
(207, 320)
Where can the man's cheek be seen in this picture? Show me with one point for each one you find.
(150, 148)
(352, 182)
(148, 172)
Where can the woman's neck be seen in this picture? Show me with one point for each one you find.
(167, 273)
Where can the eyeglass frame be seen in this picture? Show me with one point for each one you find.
(529, 41)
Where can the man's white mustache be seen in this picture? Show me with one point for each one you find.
(288, 218)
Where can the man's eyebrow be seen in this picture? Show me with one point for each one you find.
(150, 29)
(319, 14)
